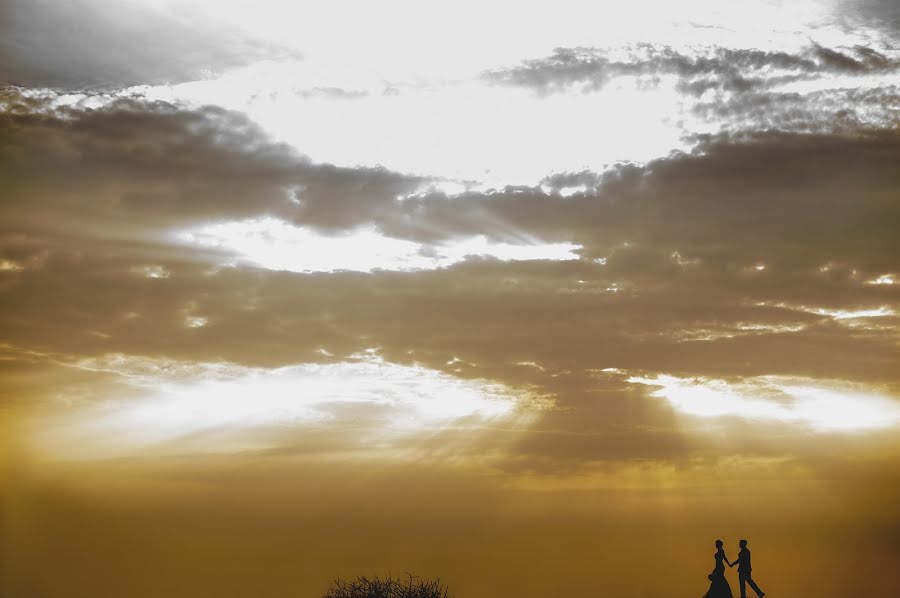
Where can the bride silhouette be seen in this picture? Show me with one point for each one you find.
(718, 587)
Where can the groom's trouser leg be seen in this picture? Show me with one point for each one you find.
(754, 586)
(745, 577)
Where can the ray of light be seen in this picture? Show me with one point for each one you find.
(364, 401)
(825, 406)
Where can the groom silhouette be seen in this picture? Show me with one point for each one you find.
(743, 562)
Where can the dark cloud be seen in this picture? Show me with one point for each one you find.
(584, 179)
(722, 69)
(830, 111)
(785, 205)
(668, 280)
(881, 15)
(133, 168)
(740, 90)
(88, 44)
(136, 170)
(866, 60)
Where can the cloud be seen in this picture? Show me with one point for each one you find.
(742, 258)
(784, 207)
(87, 44)
(148, 166)
(881, 15)
(725, 69)
(827, 111)
(820, 89)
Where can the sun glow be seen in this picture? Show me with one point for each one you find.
(464, 130)
(363, 400)
(820, 404)
(277, 245)
(406, 397)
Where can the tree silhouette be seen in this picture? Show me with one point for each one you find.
(389, 587)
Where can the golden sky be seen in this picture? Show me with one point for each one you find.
(541, 300)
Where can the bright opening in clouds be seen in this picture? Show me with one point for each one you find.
(372, 400)
(467, 131)
(277, 245)
(823, 406)
(408, 397)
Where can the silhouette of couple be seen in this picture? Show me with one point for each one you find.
(719, 588)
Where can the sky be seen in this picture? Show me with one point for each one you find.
(536, 298)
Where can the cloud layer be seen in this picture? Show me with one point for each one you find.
(750, 256)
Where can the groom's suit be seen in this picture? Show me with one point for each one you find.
(744, 569)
